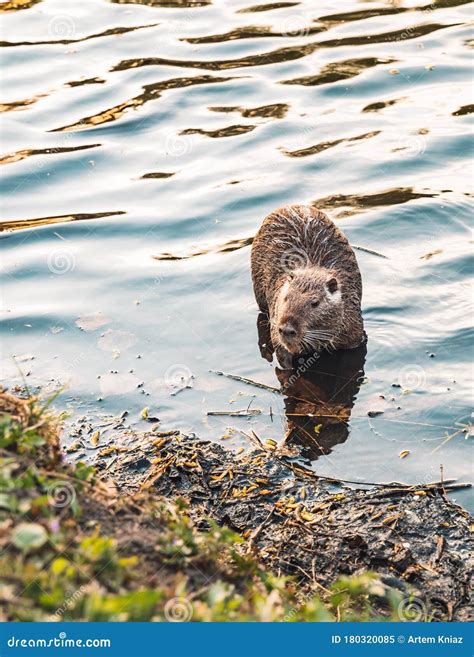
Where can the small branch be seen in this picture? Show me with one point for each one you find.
(242, 379)
(243, 413)
(254, 439)
(448, 438)
(371, 251)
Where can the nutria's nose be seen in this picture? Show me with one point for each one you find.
(287, 331)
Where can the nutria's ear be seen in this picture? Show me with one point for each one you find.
(332, 285)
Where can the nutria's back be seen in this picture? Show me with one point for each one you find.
(305, 275)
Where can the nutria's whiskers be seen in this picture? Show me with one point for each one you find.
(318, 334)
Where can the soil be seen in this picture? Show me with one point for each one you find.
(413, 537)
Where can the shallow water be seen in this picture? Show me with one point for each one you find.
(143, 144)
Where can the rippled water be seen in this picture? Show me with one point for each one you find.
(143, 144)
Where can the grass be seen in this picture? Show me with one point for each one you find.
(73, 548)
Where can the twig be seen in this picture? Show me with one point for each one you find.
(313, 570)
(254, 439)
(156, 474)
(395, 486)
(371, 251)
(52, 474)
(244, 413)
(307, 575)
(440, 544)
(242, 379)
(254, 535)
(441, 470)
(448, 438)
(461, 486)
(264, 386)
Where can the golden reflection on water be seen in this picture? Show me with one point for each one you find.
(266, 7)
(15, 5)
(178, 4)
(381, 104)
(229, 131)
(151, 92)
(343, 70)
(21, 155)
(16, 105)
(465, 109)
(323, 146)
(276, 111)
(106, 33)
(249, 32)
(157, 174)
(11, 224)
(344, 205)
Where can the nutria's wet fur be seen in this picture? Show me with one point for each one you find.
(305, 276)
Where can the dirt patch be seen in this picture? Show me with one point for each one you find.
(315, 529)
(166, 524)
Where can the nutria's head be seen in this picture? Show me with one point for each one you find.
(308, 310)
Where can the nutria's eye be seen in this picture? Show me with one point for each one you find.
(314, 303)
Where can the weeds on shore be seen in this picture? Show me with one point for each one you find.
(73, 548)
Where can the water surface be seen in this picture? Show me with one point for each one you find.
(143, 143)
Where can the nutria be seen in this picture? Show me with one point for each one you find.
(306, 278)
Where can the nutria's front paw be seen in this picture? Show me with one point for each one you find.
(284, 358)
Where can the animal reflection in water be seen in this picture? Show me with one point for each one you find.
(320, 391)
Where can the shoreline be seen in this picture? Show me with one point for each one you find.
(173, 517)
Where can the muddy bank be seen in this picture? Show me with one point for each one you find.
(167, 527)
(413, 537)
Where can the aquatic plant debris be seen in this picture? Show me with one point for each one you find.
(311, 527)
(241, 520)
